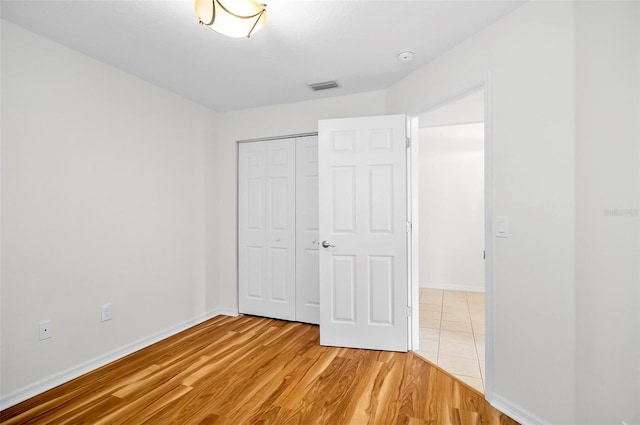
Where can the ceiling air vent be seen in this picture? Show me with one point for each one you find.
(324, 86)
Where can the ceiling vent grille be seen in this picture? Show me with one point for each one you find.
(324, 85)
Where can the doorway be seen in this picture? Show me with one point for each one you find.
(451, 185)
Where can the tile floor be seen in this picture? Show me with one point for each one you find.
(452, 333)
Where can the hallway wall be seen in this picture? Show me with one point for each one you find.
(452, 207)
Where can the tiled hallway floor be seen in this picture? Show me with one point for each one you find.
(452, 333)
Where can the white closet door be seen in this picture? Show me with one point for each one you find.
(266, 228)
(307, 278)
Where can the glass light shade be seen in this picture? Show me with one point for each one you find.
(233, 18)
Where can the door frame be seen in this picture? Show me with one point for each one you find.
(430, 102)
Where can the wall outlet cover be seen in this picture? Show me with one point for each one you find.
(44, 330)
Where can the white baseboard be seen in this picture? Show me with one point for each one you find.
(450, 287)
(227, 312)
(90, 365)
(515, 412)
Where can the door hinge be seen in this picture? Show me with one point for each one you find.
(409, 227)
(408, 142)
(408, 311)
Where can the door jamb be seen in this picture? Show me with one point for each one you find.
(414, 234)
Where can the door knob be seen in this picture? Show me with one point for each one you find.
(326, 244)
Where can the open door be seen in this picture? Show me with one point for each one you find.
(363, 233)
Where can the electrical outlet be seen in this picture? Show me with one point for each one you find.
(106, 312)
(44, 329)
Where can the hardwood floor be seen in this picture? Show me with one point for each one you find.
(249, 370)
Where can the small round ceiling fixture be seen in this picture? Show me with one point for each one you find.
(405, 56)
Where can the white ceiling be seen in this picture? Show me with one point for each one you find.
(304, 42)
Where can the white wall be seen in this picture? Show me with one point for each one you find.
(527, 57)
(465, 110)
(452, 207)
(607, 140)
(563, 81)
(277, 120)
(103, 200)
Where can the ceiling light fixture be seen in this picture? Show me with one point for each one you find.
(233, 18)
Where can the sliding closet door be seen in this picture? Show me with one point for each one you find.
(266, 228)
(307, 276)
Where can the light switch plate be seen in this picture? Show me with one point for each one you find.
(502, 227)
(105, 310)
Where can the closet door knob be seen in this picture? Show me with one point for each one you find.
(326, 244)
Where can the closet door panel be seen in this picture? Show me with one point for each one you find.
(266, 228)
(307, 276)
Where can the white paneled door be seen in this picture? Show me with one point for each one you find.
(363, 233)
(307, 286)
(266, 228)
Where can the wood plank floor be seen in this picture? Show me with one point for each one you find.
(249, 370)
